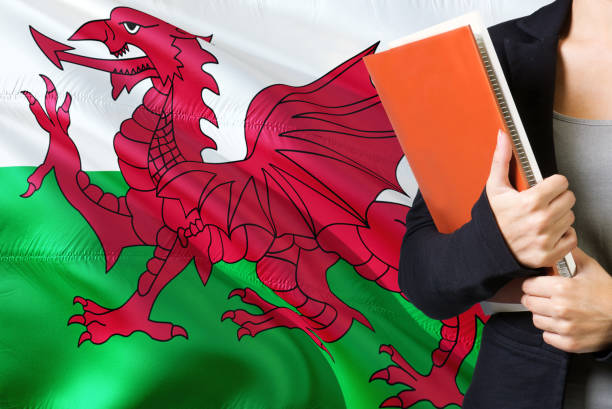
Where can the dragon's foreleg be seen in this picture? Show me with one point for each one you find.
(107, 214)
(61, 151)
(170, 258)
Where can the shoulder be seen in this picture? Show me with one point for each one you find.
(500, 34)
(544, 23)
(507, 30)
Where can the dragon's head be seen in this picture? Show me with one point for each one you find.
(173, 59)
(126, 27)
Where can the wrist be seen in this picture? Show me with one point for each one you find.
(608, 309)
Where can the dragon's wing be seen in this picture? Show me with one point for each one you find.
(320, 153)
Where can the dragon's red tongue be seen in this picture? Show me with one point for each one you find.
(120, 81)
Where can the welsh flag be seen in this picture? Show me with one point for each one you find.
(202, 207)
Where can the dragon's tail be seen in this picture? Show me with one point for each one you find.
(106, 200)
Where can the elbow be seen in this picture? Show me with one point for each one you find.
(432, 305)
(418, 288)
(427, 288)
(427, 274)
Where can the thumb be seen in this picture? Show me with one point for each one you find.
(498, 180)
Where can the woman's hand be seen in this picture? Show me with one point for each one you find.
(536, 223)
(574, 313)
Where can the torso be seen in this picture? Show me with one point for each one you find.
(583, 93)
(582, 151)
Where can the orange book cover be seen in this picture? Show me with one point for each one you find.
(438, 97)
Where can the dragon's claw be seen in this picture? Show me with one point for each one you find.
(79, 300)
(35, 179)
(67, 101)
(85, 336)
(243, 331)
(48, 83)
(237, 292)
(249, 296)
(386, 349)
(29, 97)
(381, 374)
(178, 331)
(30, 191)
(392, 402)
(228, 314)
(77, 319)
(89, 306)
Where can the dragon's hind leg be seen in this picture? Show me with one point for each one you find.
(298, 276)
(439, 386)
(272, 316)
(372, 249)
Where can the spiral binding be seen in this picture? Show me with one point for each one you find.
(562, 267)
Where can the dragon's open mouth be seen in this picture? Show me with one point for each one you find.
(125, 73)
(132, 71)
(121, 51)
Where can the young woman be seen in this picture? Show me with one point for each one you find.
(558, 354)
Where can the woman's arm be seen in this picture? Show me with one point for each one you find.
(445, 274)
(510, 234)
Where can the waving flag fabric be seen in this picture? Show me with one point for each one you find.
(203, 205)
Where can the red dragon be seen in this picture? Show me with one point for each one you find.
(286, 206)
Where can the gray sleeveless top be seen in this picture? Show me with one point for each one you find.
(583, 150)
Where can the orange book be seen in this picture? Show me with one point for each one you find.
(445, 94)
(437, 96)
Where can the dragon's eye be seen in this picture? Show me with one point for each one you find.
(130, 27)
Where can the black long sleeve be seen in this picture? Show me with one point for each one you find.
(445, 274)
